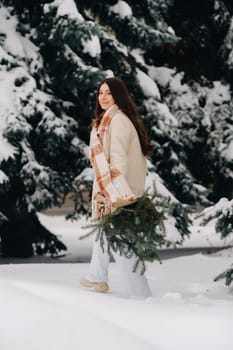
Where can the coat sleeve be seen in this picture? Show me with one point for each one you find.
(120, 136)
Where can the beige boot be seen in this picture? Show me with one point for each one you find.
(101, 287)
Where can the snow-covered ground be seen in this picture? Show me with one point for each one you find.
(44, 307)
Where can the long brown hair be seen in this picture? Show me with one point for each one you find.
(125, 102)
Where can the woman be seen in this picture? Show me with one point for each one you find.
(118, 149)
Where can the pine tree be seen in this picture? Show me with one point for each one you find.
(41, 154)
(222, 214)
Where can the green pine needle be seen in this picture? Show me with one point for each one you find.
(136, 229)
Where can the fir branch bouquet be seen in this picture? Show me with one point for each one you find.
(133, 229)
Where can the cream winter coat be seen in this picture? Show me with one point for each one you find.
(123, 151)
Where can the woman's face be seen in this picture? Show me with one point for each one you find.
(105, 97)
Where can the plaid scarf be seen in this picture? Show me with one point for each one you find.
(111, 182)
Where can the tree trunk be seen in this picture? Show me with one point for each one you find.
(24, 236)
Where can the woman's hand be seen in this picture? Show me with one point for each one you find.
(100, 198)
(103, 204)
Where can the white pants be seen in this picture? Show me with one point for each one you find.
(135, 284)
